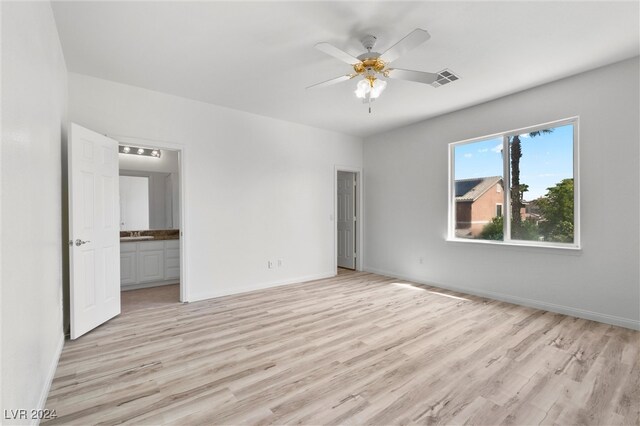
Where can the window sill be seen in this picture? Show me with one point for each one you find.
(569, 249)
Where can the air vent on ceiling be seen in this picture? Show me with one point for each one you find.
(445, 76)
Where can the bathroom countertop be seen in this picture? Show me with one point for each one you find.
(154, 234)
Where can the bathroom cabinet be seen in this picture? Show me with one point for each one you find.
(149, 263)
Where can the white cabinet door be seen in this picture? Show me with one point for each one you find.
(149, 262)
(150, 265)
(172, 260)
(172, 273)
(128, 268)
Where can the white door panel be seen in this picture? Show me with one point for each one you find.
(346, 220)
(94, 229)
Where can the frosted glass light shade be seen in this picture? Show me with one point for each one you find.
(377, 89)
(362, 89)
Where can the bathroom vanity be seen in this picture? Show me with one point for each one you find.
(148, 262)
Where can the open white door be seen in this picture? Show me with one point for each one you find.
(94, 229)
(346, 222)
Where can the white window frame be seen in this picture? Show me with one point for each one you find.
(506, 179)
(501, 209)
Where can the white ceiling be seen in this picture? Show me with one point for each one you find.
(259, 56)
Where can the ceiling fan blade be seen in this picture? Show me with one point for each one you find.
(411, 41)
(417, 76)
(331, 50)
(332, 81)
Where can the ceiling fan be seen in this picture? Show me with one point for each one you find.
(374, 66)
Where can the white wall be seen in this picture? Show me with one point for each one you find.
(406, 202)
(257, 189)
(34, 90)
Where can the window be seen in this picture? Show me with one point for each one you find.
(526, 197)
(474, 180)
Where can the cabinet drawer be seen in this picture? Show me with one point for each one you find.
(151, 245)
(172, 253)
(127, 247)
(172, 244)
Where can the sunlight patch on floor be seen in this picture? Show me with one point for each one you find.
(419, 288)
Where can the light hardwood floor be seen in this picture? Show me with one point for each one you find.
(355, 349)
(144, 298)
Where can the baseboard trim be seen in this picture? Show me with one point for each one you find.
(49, 379)
(260, 286)
(531, 303)
(147, 285)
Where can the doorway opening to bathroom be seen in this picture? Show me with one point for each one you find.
(150, 226)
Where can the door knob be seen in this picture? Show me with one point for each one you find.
(79, 242)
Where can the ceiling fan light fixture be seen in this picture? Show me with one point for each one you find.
(362, 89)
(378, 88)
(370, 88)
(372, 66)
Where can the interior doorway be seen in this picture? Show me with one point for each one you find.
(151, 231)
(348, 222)
(94, 235)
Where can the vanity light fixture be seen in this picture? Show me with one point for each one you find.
(134, 150)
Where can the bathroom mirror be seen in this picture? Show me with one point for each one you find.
(134, 203)
(147, 200)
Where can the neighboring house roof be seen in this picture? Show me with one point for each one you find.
(472, 189)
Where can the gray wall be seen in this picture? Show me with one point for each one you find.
(34, 93)
(406, 175)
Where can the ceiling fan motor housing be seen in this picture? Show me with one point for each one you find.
(369, 41)
(373, 65)
(369, 61)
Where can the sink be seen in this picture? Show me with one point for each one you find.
(145, 237)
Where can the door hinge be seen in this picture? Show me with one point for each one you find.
(355, 183)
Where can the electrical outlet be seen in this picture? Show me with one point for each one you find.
(280, 263)
(270, 264)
